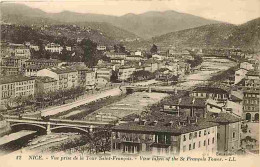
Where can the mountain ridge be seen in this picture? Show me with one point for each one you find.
(145, 25)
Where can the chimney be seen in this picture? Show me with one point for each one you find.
(175, 91)
(143, 122)
(179, 102)
(193, 101)
(188, 120)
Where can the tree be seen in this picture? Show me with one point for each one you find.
(154, 49)
(90, 52)
(114, 76)
(65, 54)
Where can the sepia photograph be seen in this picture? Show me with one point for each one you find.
(130, 82)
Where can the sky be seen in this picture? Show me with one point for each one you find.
(232, 11)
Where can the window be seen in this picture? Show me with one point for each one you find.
(193, 145)
(208, 142)
(213, 140)
(190, 136)
(184, 138)
(199, 133)
(204, 143)
(195, 135)
(205, 132)
(234, 134)
(189, 146)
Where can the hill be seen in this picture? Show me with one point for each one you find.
(145, 25)
(215, 35)
(26, 16)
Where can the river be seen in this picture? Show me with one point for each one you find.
(210, 66)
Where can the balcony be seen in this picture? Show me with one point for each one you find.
(131, 140)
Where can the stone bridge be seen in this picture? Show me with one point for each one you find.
(55, 125)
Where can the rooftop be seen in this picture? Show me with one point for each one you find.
(13, 79)
(211, 89)
(252, 73)
(186, 101)
(45, 79)
(44, 60)
(161, 122)
(60, 70)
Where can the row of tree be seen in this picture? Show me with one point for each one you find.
(20, 104)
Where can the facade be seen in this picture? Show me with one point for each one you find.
(116, 55)
(67, 77)
(120, 61)
(45, 85)
(43, 62)
(90, 79)
(124, 73)
(251, 104)
(32, 66)
(214, 93)
(246, 65)
(228, 132)
(104, 72)
(101, 48)
(134, 58)
(10, 66)
(52, 47)
(240, 74)
(165, 135)
(14, 86)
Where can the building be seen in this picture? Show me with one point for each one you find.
(45, 85)
(103, 72)
(112, 55)
(185, 106)
(215, 93)
(43, 62)
(11, 66)
(163, 134)
(134, 58)
(101, 48)
(246, 65)
(125, 73)
(117, 60)
(32, 66)
(251, 104)
(240, 74)
(67, 77)
(90, 79)
(56, 48)
(20, 51)
(228, 132)
(14, 86)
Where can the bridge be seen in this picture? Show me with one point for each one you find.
(54, 125)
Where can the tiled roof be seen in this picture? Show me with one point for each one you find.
(45, 79)
(211, 89)
(222, 118)
(253, 73)
(35, 67)
(167, 123)
(16, 78)
(60, 70)
(186, 101)
(44, 60)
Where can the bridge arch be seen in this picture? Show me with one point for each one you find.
(28, 126)
(68, 129)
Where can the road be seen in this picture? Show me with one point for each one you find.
(89, 98)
